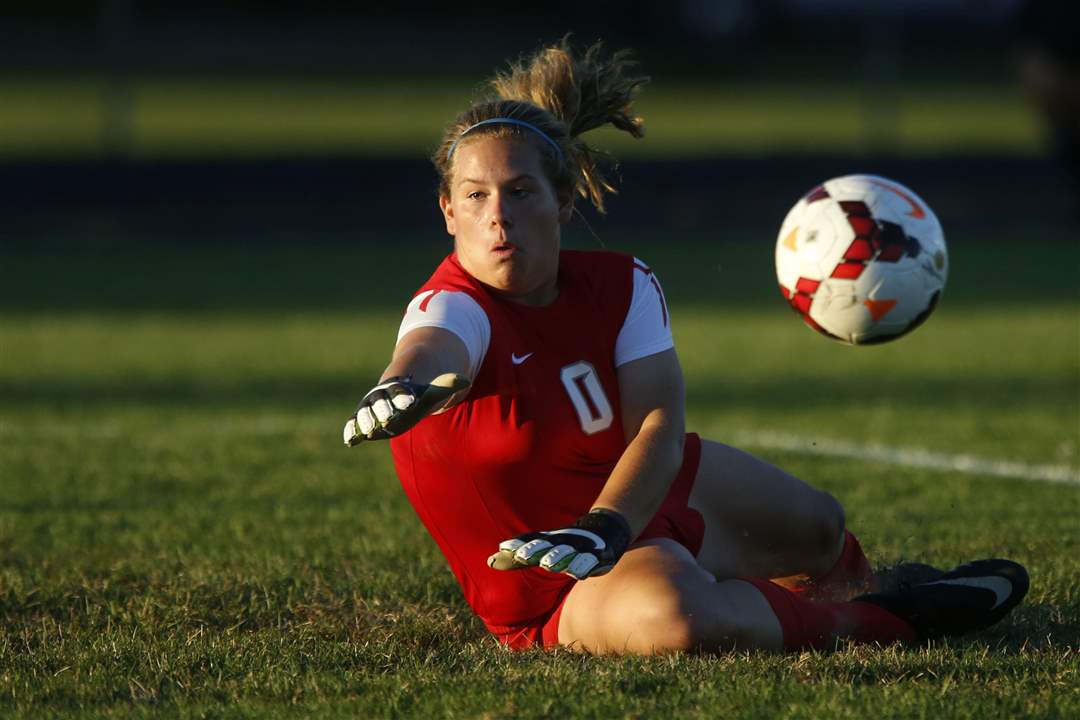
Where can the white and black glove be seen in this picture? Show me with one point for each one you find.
(589, 547)
(396, 404)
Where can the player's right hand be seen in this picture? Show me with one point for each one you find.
(396, 404)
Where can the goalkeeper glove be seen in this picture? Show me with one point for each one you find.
(396, 404)
(589, 547)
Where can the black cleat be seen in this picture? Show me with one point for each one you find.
(903, 575)
(967, 598)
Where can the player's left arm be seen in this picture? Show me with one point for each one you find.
(652, 397)
(651, 394)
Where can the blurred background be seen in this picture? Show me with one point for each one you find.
(213, 213)
(255, 120)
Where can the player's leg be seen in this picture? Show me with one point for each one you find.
(763, 522)
(659, 599)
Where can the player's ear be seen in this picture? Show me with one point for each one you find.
(566, 205)
(448, 214)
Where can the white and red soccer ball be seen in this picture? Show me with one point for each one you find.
(861, 259)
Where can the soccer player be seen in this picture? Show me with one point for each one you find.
(534, 406)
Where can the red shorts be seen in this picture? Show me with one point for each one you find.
(675, 519)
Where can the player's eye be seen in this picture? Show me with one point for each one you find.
(519, 192)
(476, 195)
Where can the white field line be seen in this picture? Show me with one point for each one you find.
(910, 457)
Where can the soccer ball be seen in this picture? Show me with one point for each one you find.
(861, 259)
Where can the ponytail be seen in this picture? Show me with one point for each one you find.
(552, 98)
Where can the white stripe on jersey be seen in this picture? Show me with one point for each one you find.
(647, 328)
(454, 311)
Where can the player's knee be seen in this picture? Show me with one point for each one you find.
(668, 631)
(826, 528)
(665, 624)
(697, 624)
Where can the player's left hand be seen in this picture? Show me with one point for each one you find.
(589, 547)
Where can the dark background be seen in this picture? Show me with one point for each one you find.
(881, 48)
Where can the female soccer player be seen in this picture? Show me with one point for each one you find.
(534, 403)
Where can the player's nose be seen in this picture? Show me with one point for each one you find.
(500, 214)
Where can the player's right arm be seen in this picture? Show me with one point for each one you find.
(429, 372)
(441, 343)
(427, 352)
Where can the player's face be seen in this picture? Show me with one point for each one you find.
(504, 214)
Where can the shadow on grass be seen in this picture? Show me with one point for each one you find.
(375, 271)
(1035, 626)
(337, 388)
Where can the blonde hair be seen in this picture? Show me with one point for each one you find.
(563, 96)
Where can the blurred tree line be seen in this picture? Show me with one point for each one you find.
(684, 36)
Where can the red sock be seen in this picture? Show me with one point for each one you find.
(818, 625)
(849, 575)
(851, 567)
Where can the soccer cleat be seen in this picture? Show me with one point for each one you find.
(967, 598)
(903, 575)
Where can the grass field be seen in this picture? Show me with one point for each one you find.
(203, 116)
(182, 533)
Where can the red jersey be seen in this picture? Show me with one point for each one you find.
(540, 431)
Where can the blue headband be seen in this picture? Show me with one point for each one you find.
(506, 121)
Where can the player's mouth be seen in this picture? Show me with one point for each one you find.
(504, 250)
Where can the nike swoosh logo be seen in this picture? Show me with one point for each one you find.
(1001, 587)
(518, 360)
(915, 212)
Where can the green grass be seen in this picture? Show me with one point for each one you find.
(177, 117)
(182, 534)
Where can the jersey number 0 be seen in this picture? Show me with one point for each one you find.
(585, 391)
